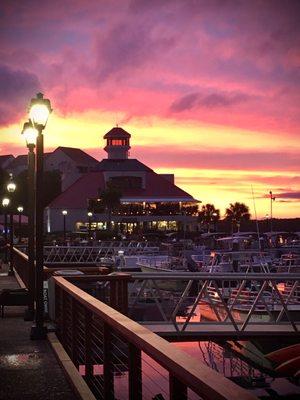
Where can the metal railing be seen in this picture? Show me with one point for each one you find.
(184, 300)
(92, 254)
(119, 358)
(21, 265)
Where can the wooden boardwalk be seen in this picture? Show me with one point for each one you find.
(226, 331)
(28, 369)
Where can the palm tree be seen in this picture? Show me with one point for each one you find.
(208, 215)
(236, 213)
(111, 200)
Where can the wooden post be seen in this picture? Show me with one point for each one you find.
(64, 318)
(107, 364)
(87, 347)
(113, 294)
(74, 355)
(135, 373)
(178, 391)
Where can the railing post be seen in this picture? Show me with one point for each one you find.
(74, 332)
(64, 317)
(87, 346)
(135, 373)
(124, 296)
(58, 311)
(113, 294)
(178, 391)
(107, 364)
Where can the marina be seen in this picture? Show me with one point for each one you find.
(149, 200)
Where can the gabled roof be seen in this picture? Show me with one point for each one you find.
(78, 156)
(117, 133)
(5, 158)
(131, 164)
(77, 195)
(90, 184)
(19, 161)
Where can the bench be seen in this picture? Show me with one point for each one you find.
(13, 297)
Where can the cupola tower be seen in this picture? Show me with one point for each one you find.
(117, 143)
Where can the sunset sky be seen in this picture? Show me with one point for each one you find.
(209, 89)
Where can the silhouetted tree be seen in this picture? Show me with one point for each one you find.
(208, 215)
(236, 213)
(111, 199)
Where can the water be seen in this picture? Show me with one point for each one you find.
(240, 371)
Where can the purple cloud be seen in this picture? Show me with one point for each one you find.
(288, 195)
(213, 100)
(16, 88)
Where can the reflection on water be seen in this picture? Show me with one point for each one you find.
(241, 362)
(240, 371)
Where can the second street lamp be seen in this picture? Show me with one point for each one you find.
(20, 210)
(11, 187)
(90, 214)
(64, 213)
(5, 204)
(39, 112)
(30, 135)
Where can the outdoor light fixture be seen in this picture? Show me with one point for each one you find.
(64, 213)
(5, 202)
(90, 214)
(39, 111)
(11, 186)
(20, 210)
(30, 134)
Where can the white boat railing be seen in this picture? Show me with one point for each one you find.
(94, 254)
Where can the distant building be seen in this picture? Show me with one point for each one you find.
(72, 163)
(6, 160)
(149, 200)
(17, 165)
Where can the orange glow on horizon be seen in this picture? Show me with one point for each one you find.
(216, 185)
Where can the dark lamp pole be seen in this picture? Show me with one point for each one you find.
(90, 214)
(30, 134)
(20, 211)
(5, 204)
(11, 187)
(39, 112)
(214, 214)
(64, 213)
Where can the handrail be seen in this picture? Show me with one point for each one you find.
(19, 260)
(202, 380)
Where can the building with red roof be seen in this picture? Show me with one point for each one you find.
(148, 200)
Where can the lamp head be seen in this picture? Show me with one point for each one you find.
(11, 186)
(90, 214)
(39, 110)
(20, 209)
(5, 202)
(64, 212)
(30, 134)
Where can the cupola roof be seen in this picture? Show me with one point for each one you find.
(117, 133)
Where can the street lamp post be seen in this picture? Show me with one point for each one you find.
(11, 187)
(5, 204)
(272, 198)
(90, 214)
(20, 210)
(64, 213)
(39, 112)
(215, 215)
(30, 135)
